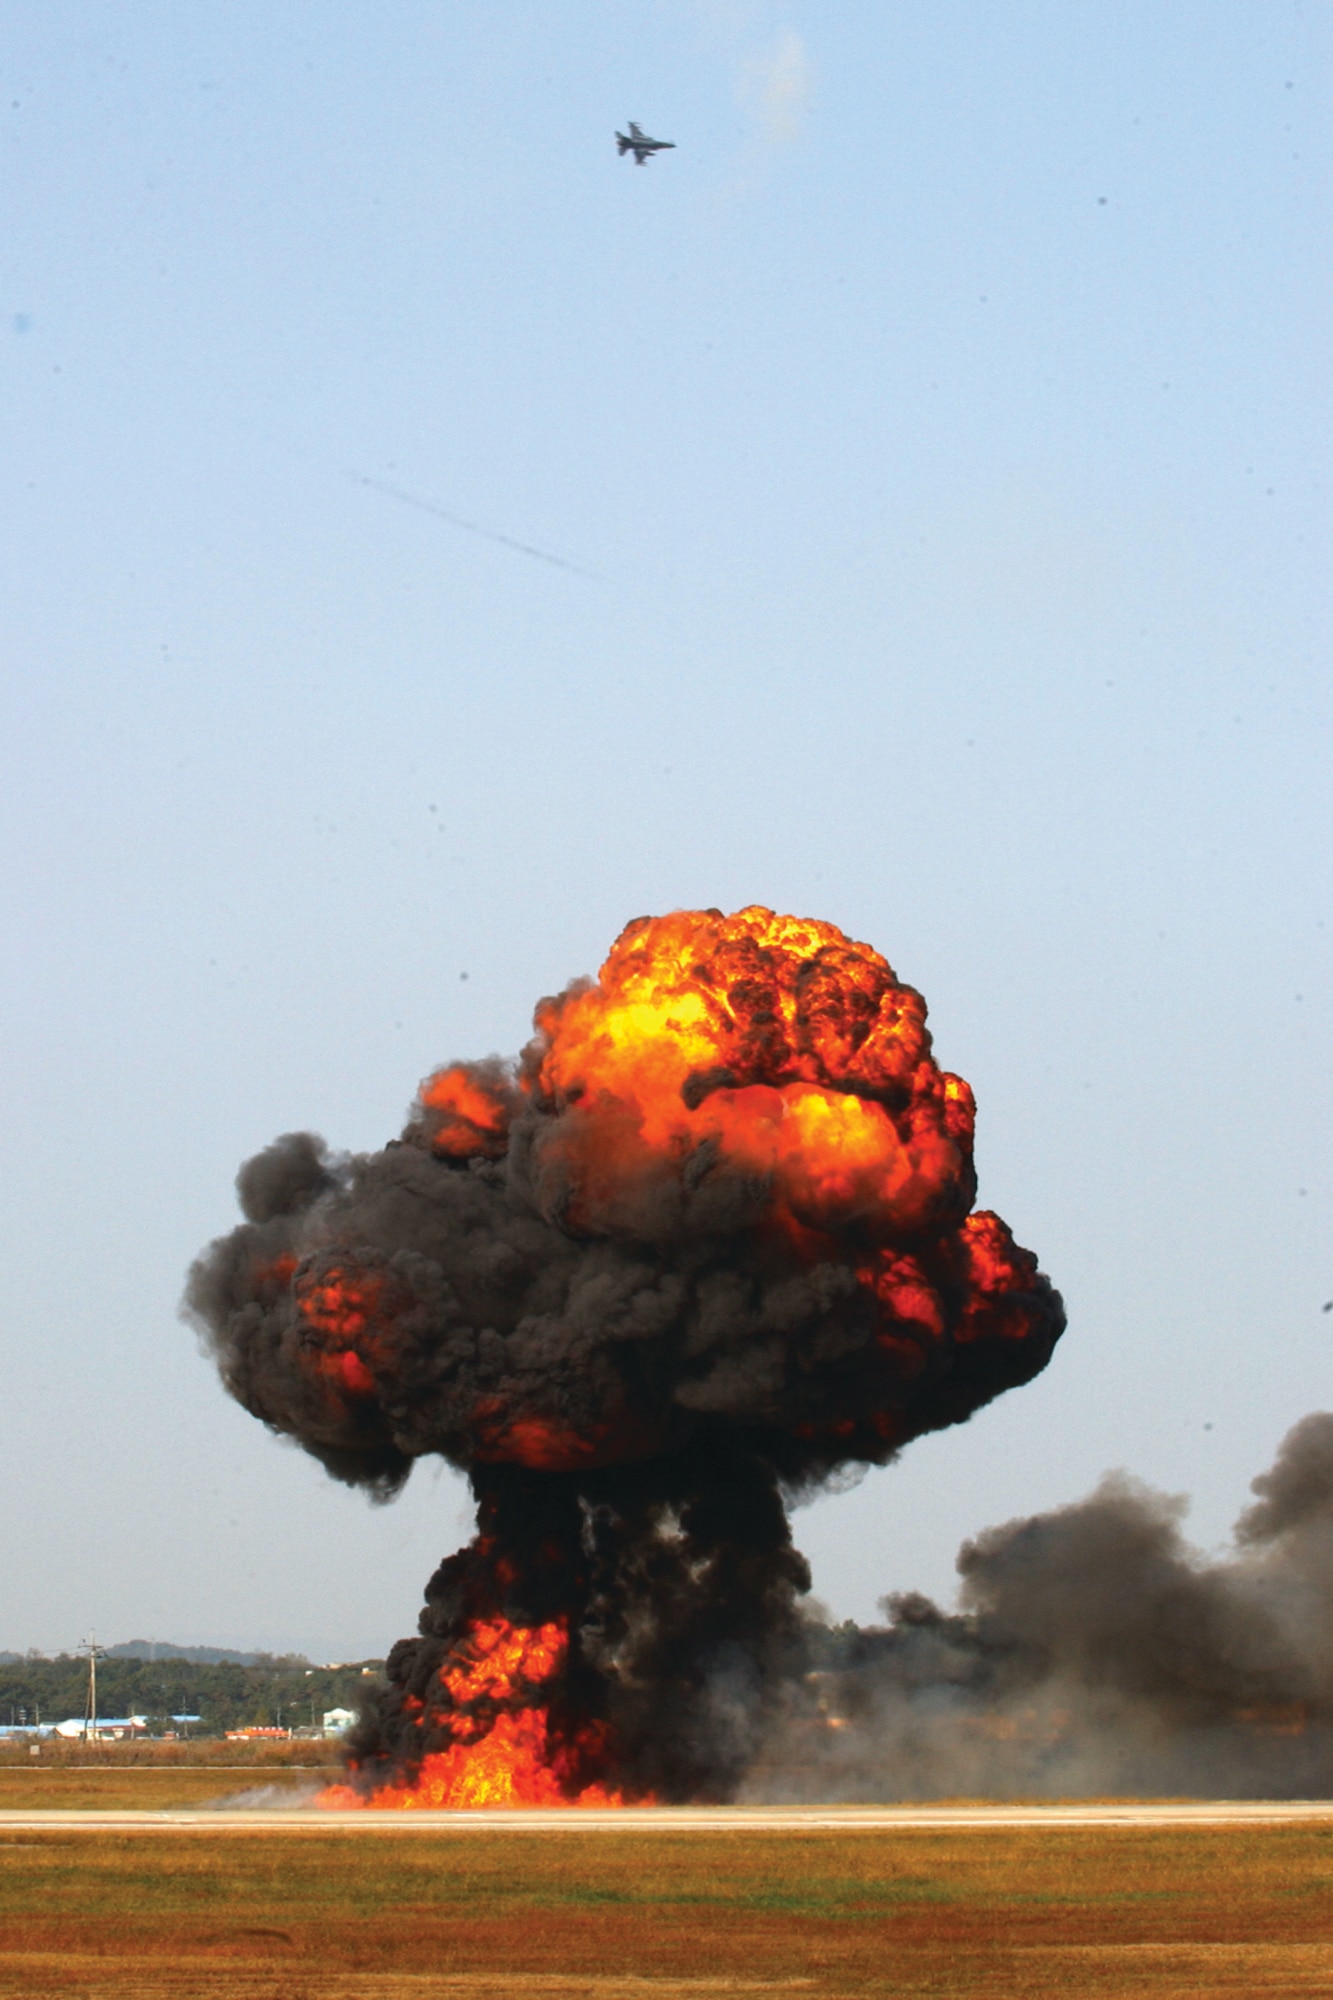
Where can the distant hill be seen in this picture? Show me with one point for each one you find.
(198, 1656)
(167, 1649)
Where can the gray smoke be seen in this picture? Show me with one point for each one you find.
(382, 1306)
(1094, 1652)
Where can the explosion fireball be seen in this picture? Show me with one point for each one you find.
(709, 1241)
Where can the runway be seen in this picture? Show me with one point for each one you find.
(686, 1819)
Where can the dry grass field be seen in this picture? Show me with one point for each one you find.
(333, 1916)
(157, 1755)
(144, 1786)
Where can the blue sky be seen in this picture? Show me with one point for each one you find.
(943, 431)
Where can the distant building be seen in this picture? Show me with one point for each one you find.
(109, 1729)
(337, 1721)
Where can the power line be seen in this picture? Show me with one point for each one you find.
(92, 1652)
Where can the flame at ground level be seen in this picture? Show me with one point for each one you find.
(507, 1767)
(504, 1753)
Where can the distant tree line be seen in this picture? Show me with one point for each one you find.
(271, 1692)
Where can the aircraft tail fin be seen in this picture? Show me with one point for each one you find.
(623, 144)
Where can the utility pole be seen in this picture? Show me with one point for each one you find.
(92, 1652)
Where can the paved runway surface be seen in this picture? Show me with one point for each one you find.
(685, 1819)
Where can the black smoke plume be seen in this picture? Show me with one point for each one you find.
(709, 1244)
(1095, 1652)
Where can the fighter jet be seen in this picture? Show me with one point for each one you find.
(640, 145)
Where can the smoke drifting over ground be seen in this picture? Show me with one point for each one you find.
(1095, 1652)
(709, 1242)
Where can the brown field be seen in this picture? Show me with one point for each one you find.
(659, 1916)
(156, 1754)
(145, 1785)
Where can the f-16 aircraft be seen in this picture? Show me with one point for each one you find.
(641, 145)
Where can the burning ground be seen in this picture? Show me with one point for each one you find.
(709, 1243)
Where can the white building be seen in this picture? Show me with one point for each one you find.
(110, 1728)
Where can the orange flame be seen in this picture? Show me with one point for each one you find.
(770, 1045)
(795, 1052)
(503, 1754)
(773, 1045)
(464, 1115)
(339, 1307)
